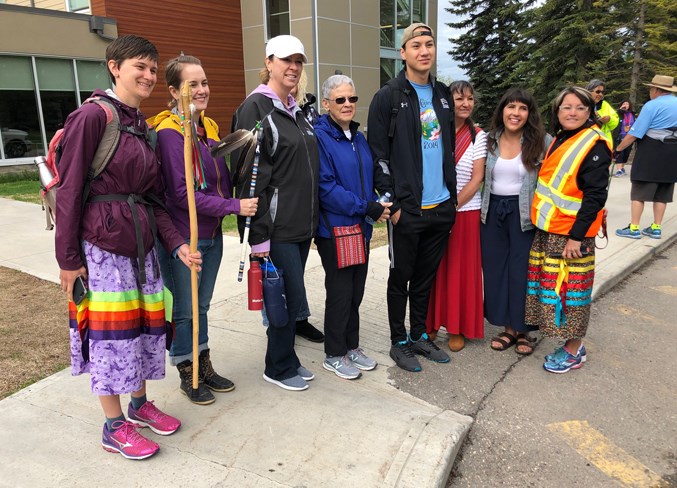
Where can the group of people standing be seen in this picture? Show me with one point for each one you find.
(497, 225)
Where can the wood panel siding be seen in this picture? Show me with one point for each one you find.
(209, 30)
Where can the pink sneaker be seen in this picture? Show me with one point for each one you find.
(151, 416)
(127, 441)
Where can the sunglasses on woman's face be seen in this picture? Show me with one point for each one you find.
(599, 92)
(342, 100)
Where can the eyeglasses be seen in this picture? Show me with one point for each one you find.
(568, 108)
(342, 100)
(600, 92)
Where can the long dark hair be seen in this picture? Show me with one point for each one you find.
(461, 87)
(533, 144)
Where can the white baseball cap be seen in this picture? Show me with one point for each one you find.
(284, 46)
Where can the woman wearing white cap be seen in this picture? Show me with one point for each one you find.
(287, 187)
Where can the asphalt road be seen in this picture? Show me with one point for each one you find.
(611, 423)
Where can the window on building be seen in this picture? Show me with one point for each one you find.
(91, 75)
(25, 128)
(77, 5)
(277, 18)
(396, 15)
(57, 92)
(19, 118)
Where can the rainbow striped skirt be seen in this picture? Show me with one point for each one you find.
(118, 332)
(559, 291)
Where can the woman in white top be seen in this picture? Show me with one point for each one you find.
(515, 147)
(456, 296)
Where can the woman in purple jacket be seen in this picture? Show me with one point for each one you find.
(213, 201)
(118, 330)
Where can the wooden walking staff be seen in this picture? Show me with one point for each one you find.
(187, 107)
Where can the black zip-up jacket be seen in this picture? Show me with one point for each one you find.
(398, 162)
(287, 180)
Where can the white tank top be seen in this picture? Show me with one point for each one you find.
(508, 175)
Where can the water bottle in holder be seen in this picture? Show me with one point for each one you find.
(254, 284)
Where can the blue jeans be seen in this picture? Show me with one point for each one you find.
(281, 359)
(176, 276)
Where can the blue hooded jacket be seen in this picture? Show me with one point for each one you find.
(343, 194)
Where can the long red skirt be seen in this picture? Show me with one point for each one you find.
(456, 296)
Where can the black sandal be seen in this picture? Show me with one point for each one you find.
(501, 339)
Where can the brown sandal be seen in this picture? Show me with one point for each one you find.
(525, 341)
(506, 340)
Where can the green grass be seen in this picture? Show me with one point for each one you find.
(23, 186)
(229, 225)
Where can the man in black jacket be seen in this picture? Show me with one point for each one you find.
(411, 136)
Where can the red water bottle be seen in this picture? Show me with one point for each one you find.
(254, 284)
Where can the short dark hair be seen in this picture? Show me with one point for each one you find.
(463, 86)
(129, 47)
(533, 145)
(582, 94)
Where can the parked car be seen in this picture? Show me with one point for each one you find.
(16, 142)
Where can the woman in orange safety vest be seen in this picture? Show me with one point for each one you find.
(567, 210)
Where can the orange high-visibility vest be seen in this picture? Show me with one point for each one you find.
(558, 199)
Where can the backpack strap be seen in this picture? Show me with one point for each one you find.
(148, 200)
(395, 101)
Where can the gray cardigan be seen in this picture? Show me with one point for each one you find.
(527, 190)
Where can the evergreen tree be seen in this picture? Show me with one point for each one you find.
(491, 34)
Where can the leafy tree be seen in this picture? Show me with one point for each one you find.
(491, 34)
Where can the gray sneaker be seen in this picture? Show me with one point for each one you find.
(403, 355)
(360, 360)
(305, 374)
(342, 366)
(429, 350)
(295, 383)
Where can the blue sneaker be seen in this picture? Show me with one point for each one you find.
(562, 361)
(651, 232)
(627, 232)
(581, 351)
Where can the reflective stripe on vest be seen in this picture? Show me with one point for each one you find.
(554, 199)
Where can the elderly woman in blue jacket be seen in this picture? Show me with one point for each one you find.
(346, 197)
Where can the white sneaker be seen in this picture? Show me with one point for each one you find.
(295, 383)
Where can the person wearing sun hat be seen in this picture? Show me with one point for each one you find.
(654, 169)
(411, 136)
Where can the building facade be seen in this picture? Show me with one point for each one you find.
(360, 38)
(52, 52)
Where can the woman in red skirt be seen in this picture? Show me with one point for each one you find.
(456, 296)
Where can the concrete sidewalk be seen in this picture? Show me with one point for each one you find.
(337, 433)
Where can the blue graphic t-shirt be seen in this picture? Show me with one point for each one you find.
(434, 189)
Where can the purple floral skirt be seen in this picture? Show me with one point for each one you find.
(117, 333)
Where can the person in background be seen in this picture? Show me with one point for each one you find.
(568, 209)
(456, 296)
(654, 169)
(411, 138)
(287, 187)
(627, 119)
(346, 197)
(118, 332)
(213, 200)
(515, 148)
(604, 115)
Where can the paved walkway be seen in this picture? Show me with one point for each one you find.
(337, 433)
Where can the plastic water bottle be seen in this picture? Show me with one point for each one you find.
(385, 198)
